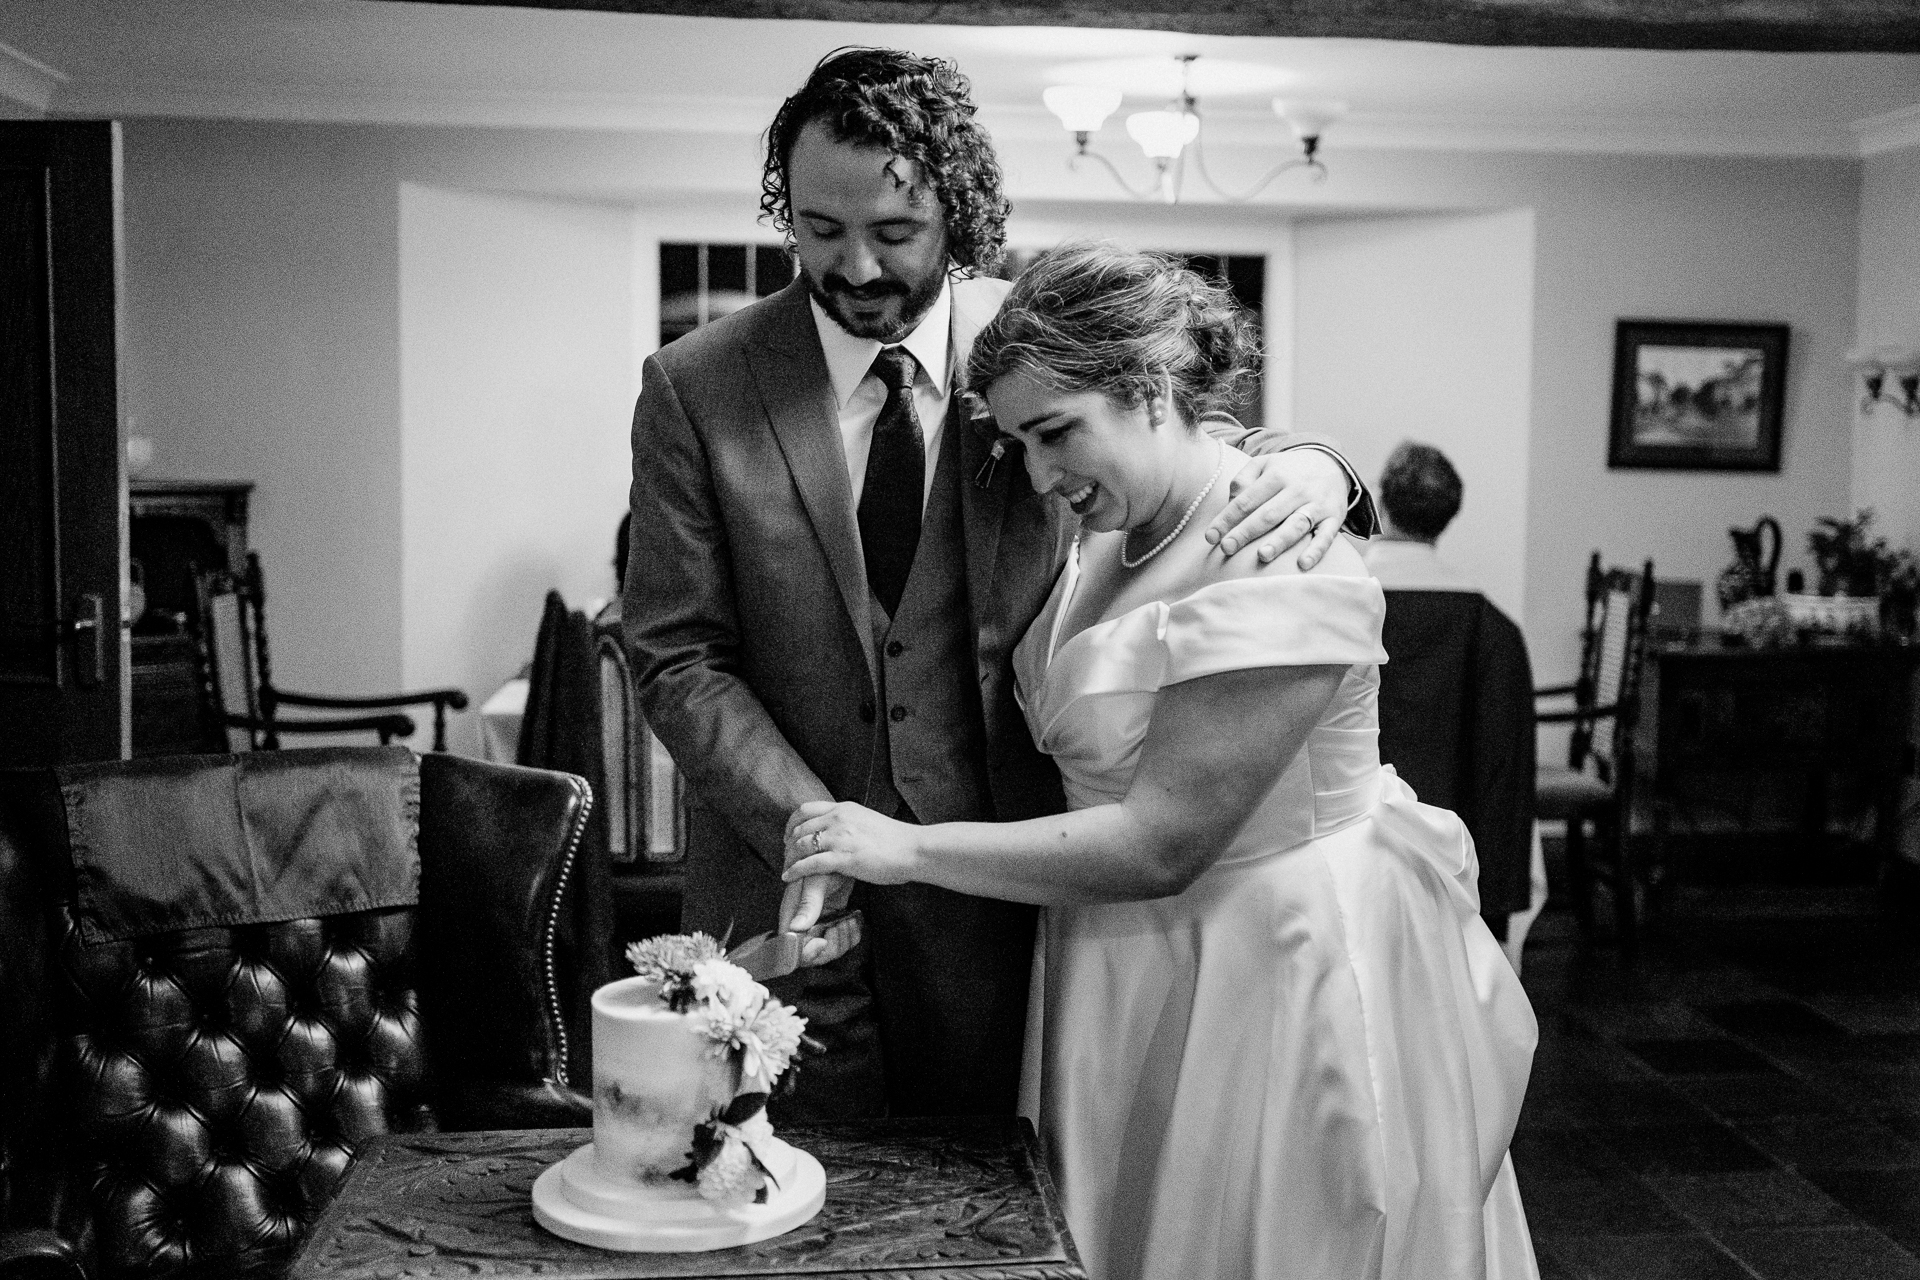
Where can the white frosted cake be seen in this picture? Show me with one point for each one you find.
(682, 1157)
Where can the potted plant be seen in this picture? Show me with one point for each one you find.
(1848, 560)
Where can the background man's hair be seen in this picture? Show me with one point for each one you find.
(1420, 490)
(911, 106)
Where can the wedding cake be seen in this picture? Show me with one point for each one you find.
(685, 1054)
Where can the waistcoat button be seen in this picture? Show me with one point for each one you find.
(898, 714)
(866, 712)
(895, 648)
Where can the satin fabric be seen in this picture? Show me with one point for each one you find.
(1309, 1063)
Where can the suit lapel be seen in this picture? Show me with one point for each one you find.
(794, 386)
(984, 510)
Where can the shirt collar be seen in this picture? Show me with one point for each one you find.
(1411, 566)
(849, 358)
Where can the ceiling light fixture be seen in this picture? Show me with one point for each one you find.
(1169, 135)
(1900, 365)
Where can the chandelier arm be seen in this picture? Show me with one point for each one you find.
(1152, 191)
(1308, 162)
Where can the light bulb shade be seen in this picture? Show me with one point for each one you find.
(1308, 117)
(1162, 134)
(1082, 108)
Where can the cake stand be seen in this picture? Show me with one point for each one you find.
(573, 1199)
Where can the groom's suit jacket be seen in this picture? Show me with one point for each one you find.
(773, 679)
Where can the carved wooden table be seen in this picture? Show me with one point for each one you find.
(948, 1199)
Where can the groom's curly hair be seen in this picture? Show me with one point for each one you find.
(911, 106)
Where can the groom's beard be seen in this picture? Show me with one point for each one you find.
(889, 308)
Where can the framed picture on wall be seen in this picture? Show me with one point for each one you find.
(1695, 394)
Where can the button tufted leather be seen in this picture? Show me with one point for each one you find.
(186, 1101)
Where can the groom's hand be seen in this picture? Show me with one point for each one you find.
(1288, 497)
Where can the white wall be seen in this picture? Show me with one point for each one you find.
(1420, 328)
(263, 284)
(1886, 445)
(516, 379)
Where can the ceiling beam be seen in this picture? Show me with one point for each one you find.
(1792, 26)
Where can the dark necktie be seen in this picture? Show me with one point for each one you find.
(894, 489)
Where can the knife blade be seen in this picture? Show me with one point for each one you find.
(776, 954)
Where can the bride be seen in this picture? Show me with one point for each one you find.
(1276, 1039)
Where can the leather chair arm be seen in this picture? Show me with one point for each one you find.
(455, 698)
(35, 1253)
(511, 1104)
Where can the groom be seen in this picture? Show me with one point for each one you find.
(829, 571)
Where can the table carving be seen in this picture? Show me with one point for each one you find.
(948, 1199)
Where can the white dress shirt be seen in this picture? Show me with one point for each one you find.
(1412, 566)
(860, 396)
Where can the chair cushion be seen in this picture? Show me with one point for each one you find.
(188, 842)
(1560, 792)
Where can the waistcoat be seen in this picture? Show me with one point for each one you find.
(931, 743)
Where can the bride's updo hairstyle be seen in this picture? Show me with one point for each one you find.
(1096, 317)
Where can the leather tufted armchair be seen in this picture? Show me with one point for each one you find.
(194, 1041)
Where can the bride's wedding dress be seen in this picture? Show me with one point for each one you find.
(1308, 1064)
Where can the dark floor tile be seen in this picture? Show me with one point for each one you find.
(1683, 1149)
(1617, 1205)
(1885, 1198)
(1870, 1015)
(1645, 1020)
(1694, 1257)
(1886, 1051)
(1822, 1253)
(1551, 1268)
(1788, 1019)
(1698, 1057)
(1831, 1142)
(1560, 1155)
(1762, 1198)
(1761, 1096)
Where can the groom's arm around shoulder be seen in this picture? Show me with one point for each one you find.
(1361, 519)
(679, 612)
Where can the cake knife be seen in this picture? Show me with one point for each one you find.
(776, 954)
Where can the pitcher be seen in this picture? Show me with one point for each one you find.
(1751, 573)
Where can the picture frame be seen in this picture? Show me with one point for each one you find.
(1697, 395)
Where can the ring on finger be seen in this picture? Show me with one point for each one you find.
(813, 841)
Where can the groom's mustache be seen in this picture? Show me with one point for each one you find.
(872, 291)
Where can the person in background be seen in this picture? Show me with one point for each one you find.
(609, 615)
(1456, 696)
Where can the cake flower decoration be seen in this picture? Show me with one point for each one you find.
(744, 1024)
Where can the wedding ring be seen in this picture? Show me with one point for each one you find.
(815, 838)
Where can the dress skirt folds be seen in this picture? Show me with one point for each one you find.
(1308, 1064)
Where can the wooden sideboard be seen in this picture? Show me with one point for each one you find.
(1749, 730)
(172, 526)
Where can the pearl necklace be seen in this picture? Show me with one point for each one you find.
(1192, 507)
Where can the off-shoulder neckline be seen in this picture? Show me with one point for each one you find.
(1071, 578)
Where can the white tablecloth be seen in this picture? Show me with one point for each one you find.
(500, 718)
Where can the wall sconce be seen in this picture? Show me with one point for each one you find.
(1878, 367)
(1169, 135)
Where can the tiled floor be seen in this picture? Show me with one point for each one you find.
(1743, 1100)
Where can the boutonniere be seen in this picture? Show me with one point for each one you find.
(980, 419)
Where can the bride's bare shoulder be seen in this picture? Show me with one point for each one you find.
(1341, 561)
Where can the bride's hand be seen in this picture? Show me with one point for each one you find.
(850, 839)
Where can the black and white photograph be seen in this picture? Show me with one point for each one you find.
(658, 639)
(1697, 395)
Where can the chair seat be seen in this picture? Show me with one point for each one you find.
(1560, 792)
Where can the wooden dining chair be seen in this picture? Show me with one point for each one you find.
(245, 709)
(1594, 788)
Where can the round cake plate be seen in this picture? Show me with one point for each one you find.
(673, 1220)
